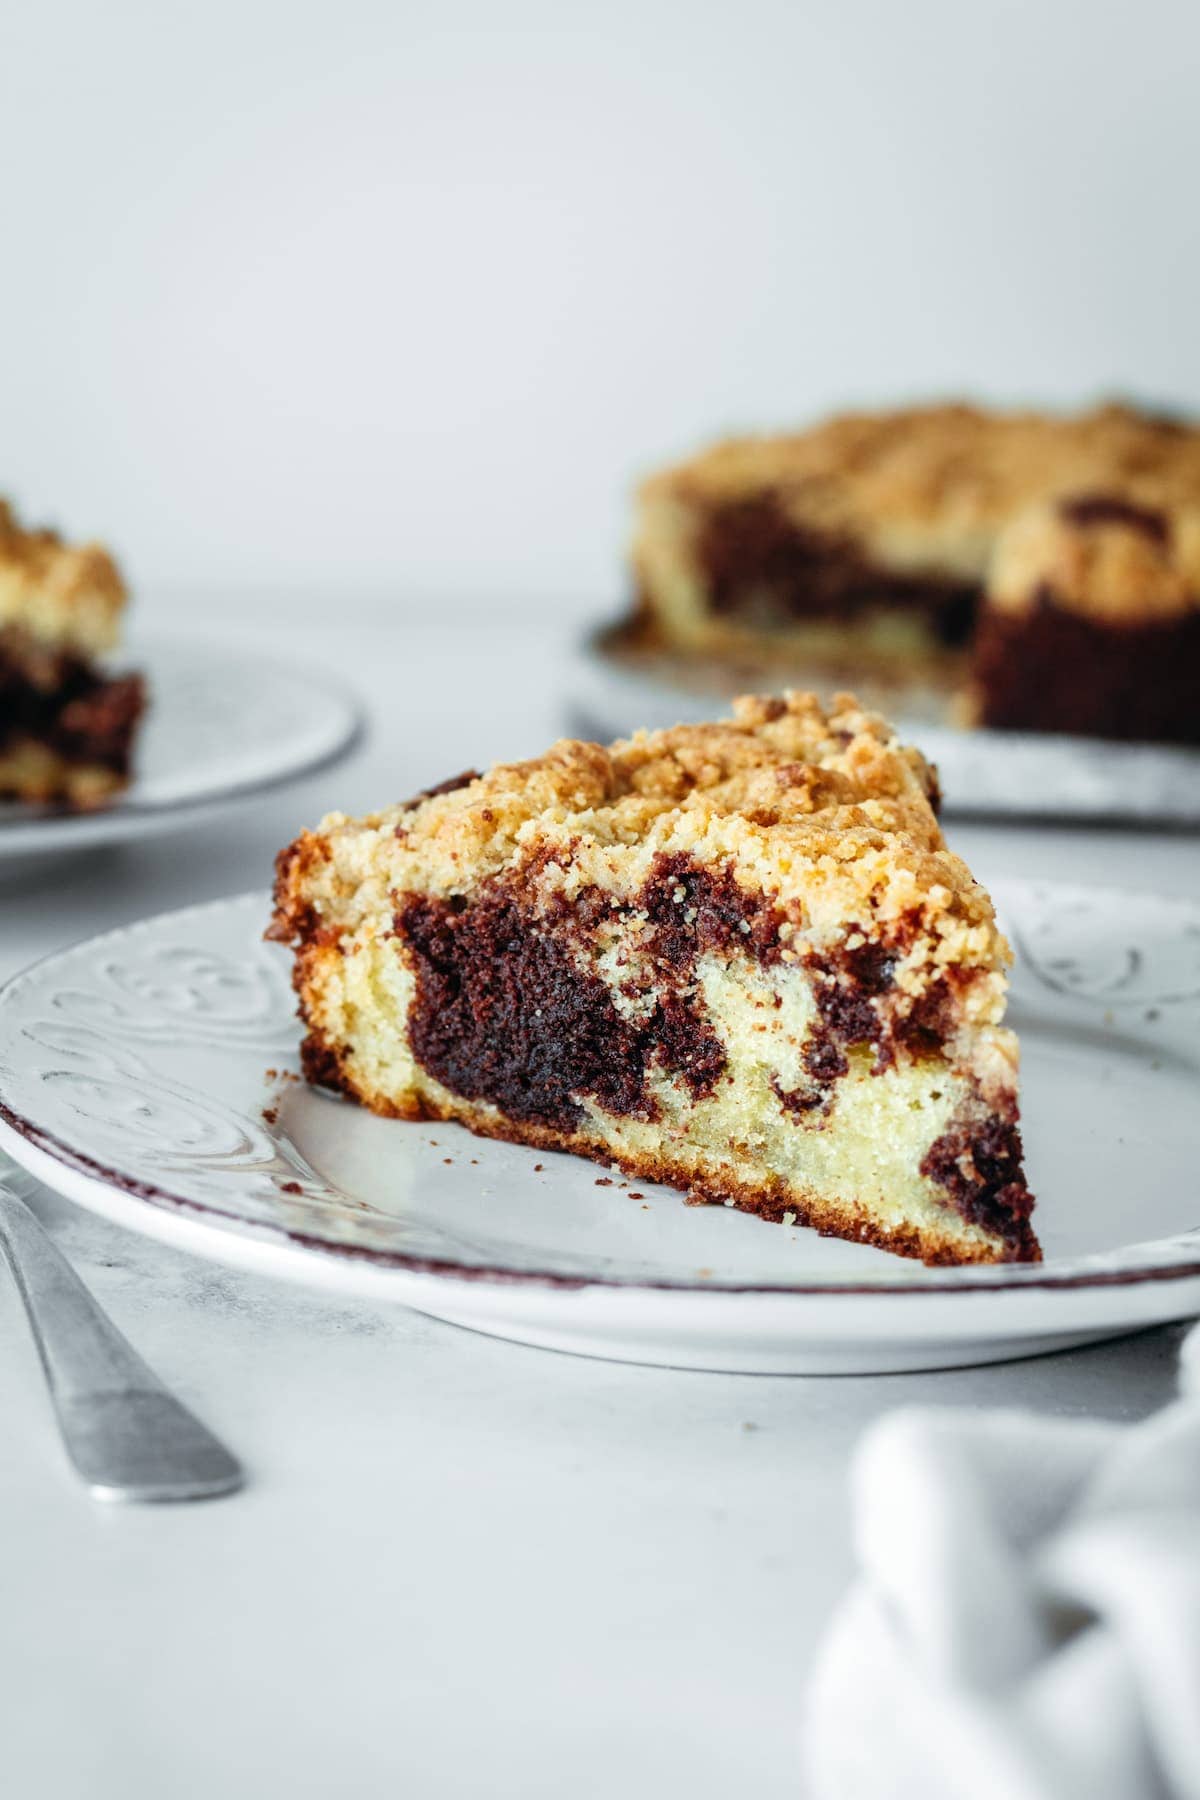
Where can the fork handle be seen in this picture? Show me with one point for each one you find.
(126, 1434)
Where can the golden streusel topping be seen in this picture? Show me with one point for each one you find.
(65, 595)
(962, 457)
(1107, 567)
(782, 761)
(821, 809)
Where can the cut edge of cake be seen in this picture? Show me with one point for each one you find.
(735, 958)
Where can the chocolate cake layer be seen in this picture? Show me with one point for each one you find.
(505, 1010)
(71, 707)
(762, 567)
(979, 1164)
(1051, 668)
(1115, 509)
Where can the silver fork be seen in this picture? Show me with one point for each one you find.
(128, 1437)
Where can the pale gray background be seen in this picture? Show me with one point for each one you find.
(384, 306)
(398, 298)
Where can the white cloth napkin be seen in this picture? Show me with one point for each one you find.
(1026, 1625)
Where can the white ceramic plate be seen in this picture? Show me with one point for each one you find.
(134, 1079)
(220, 727)
(985, 774)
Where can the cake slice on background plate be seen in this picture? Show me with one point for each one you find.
(66, 725)
(737, 958)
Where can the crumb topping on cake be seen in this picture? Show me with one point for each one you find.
(68, 596)
(939, 488)
(784, 785)
(1103, 556)
(824, 811)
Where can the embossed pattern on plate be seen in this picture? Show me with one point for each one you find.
(151, 1074)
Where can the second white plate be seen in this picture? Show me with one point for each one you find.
(220, 727)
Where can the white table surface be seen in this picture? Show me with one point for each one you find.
(461, 1566)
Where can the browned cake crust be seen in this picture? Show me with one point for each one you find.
(67, 726)
(736, 958)
(896, 539)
